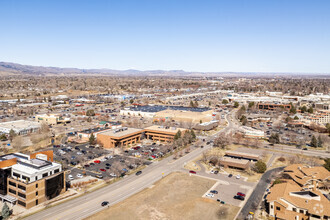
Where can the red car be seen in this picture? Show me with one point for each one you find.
(97, 161)
(191, 171)
(241, 194)
(103, 170)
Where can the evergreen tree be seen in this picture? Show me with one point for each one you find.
(193, 135)
(177, 135)
(319, 142)
(236, 104)
(5, 213)
(327, 164)
(314, 141)
(310, 110)
(12, 134)
(92, 139)
(225, 101)
(260, 166)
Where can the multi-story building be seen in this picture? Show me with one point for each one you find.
(321, 117)
(302, 195)
(29, 180)
(273, 106)
(162, 133)
(120, 137)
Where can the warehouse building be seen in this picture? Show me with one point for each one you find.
(20, 127)
(29, 180)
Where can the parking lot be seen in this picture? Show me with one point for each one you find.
(86, 160)
(226, 193)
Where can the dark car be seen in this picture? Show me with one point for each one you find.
(193, 172)
(105, 203)
(305, 148)
(86, 165)
(216, 172)
(73, 163)
(230, 175)
(214, 191)
(239, 197)
(91, 146)
(77, 148)
(138, 173)
(92, 164)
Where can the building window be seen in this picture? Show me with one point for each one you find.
(12, 191)
(21, 203)
(37, 185)
(294, 209)
(301, 211)
(271, 206)
(278, 208)
(56, 171)
(16, 175)
(26, 178)
(36, 193)
(44, 175)
(12, 184)
(37, 201)
(21, 187)
(21, 195)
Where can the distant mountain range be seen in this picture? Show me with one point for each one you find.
(7, 68)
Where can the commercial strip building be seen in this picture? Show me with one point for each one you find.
(84, 135)
(228, 162)
(29, 180)
(52, 119)
(121, 137)
(242, 155)
(162, 133)
(300, 196)
(176, 113)
(20, 127)
(207, 126)
(273, 106)
(251, 132)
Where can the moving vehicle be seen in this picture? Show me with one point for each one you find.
(238, 176)
(104, 203)
(138, 173)
(193, 172)
(230, 175)
(214, 191)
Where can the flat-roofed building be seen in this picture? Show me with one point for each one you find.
(20, 127)
(251, 132)
(242, 155)
(162, 133)
(273, 106)
(52, 119)
(120, 137)
(30, 180)
(229, 162)
(85, 134)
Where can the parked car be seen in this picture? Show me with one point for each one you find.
(210, 195)
(138, 173)
(216, 172)
(79, 175)
(97, 161)
(241, 194)
(193, 172)
(239, 197)
(70, 177)
(230, 175)
(214, 191)
(238, 176)
(99, 176)
(103, 170)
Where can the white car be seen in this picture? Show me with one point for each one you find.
(79, 175)
(79, 153)
(238, 176)
(112, 174)
(212, 171)
(103, 160)
(210, 195)
(70, 177)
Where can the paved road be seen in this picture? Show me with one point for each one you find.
(89, 204)
(256, 196)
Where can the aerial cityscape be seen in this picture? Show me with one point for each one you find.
(174, 110)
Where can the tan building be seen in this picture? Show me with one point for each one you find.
(229, 162)
(289, 201)
(52, 119)
(30, 180)
(242, 155)
(308, 177)
(162, 133)
(185, 116)
(121, 137)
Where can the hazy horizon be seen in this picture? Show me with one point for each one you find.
(193, 36)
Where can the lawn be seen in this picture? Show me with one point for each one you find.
(177, 196)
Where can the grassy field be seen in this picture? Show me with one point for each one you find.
(177, 196)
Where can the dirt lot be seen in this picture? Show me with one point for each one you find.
(177, 196)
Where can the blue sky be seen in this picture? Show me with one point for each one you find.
(205, 35)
